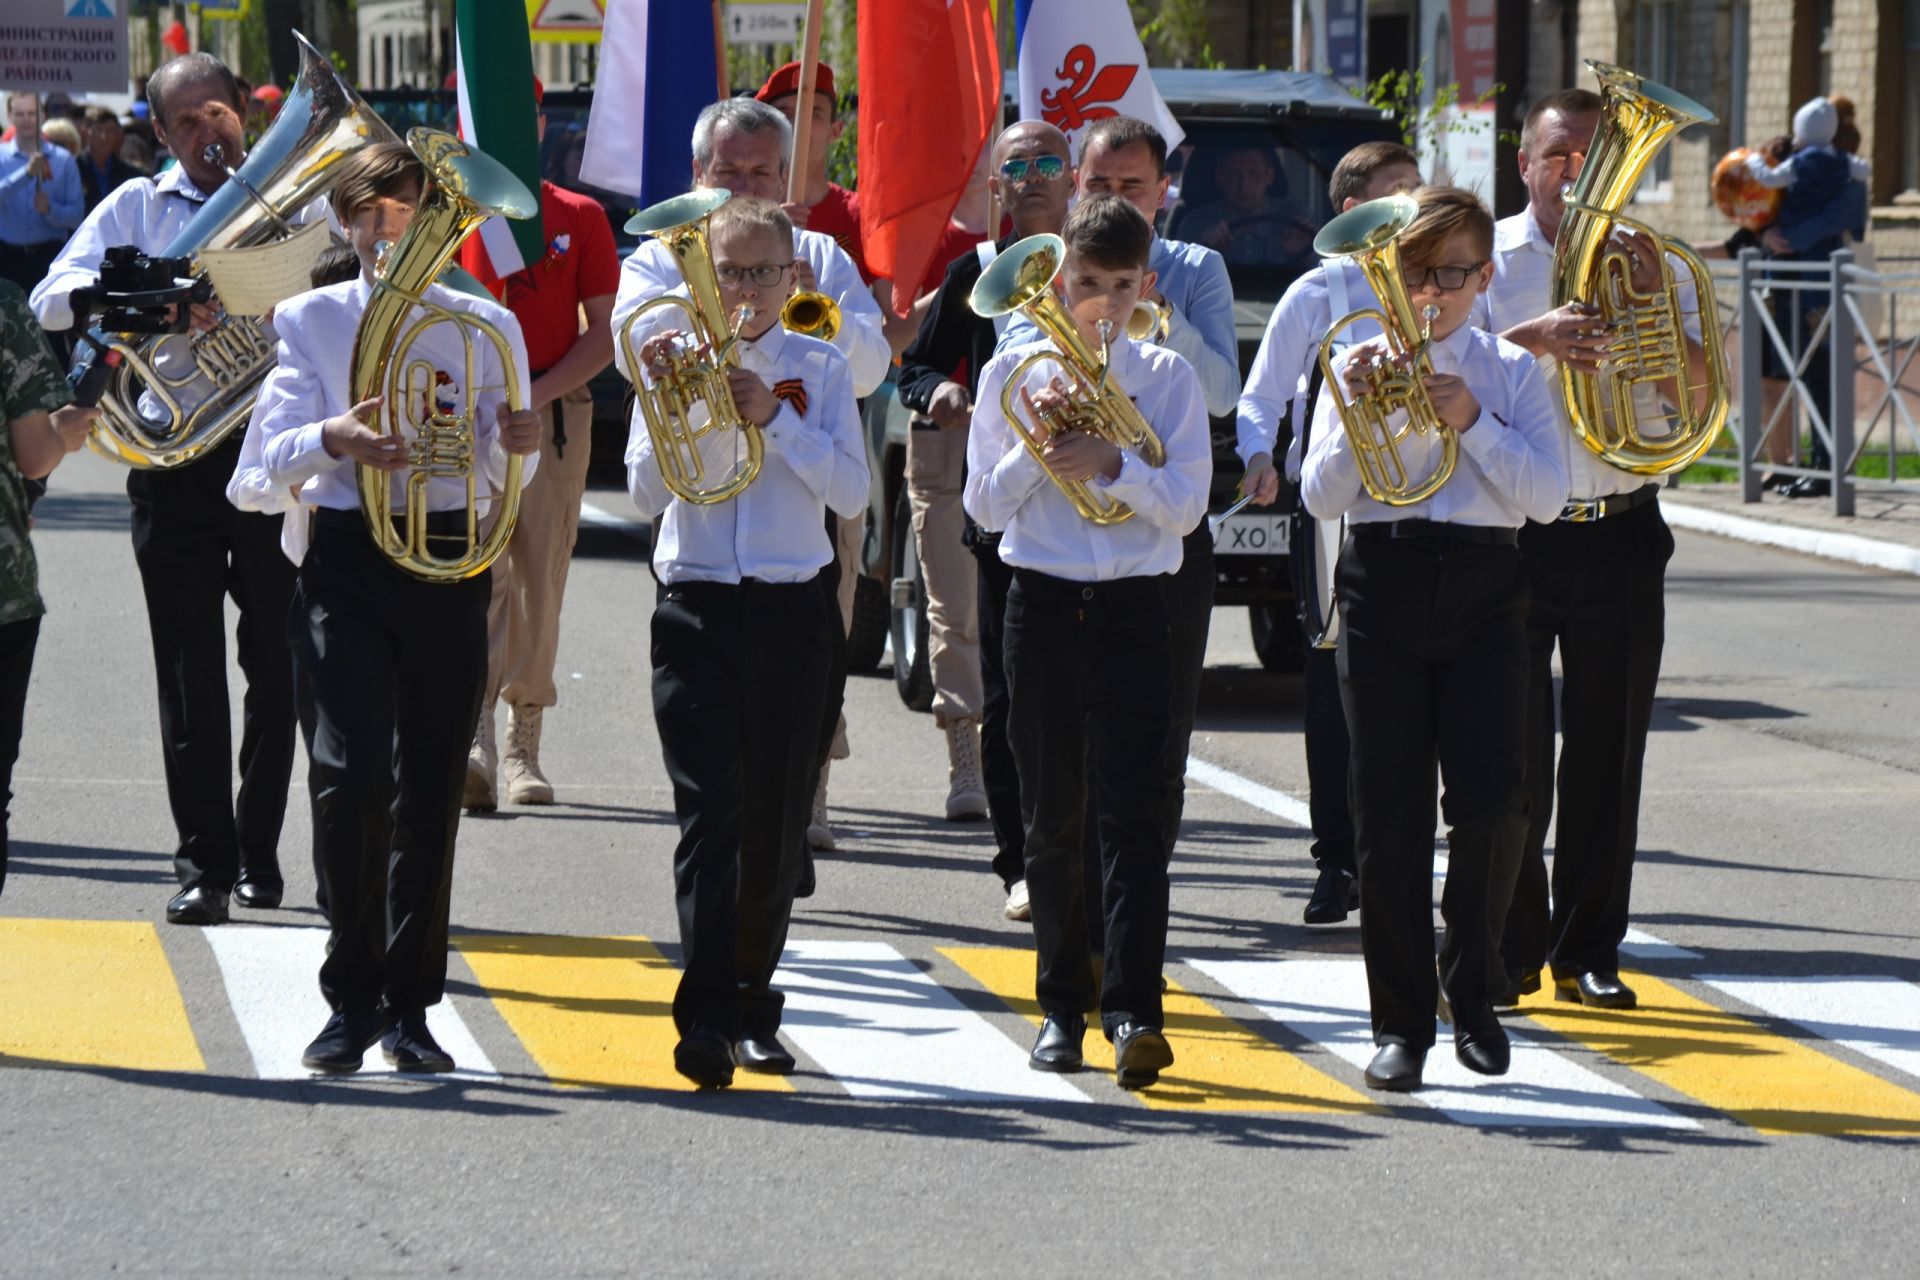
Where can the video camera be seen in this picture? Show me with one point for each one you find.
(136, 293)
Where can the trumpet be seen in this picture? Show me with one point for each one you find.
(1368, 234)
(1637, 118)
(1021, 279)
(1149, 322)
(813, 314)
(467, 188)
(695, 377)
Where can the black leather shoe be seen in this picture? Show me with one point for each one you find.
(1140, 1054)
(705, 1058)
(763, 1054)
(1335, 894)
(1396, 1068)
(409, 1046)
(344, 1041)
(197, 904)
(1601, 990)
(257, 894)
(1058, 1046)
(1484, 1049)
(1808, 487)
(1521, 984)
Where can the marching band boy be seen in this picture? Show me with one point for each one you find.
(396, 663)
(1087, 647)
(741, 647)
(1433, 650)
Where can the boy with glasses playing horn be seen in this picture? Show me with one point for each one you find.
(742, 639)
(1432, 652)
(1088, 650)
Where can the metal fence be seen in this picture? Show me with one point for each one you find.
(1846, 339)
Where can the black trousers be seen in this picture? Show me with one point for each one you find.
(739, 683)
(1432, 663)
(1598, 592)
(397, 666)
(17, 641)
(1323, 723)
(194, 549)
(304, 713)
(1090, 672)
(1001, 776)
(26, 264)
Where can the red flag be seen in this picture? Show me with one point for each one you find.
(929, 89)
(175, 38)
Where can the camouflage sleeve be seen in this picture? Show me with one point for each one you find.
(30, 378)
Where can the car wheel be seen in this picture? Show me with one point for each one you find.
(1276, 639)
(912, 669)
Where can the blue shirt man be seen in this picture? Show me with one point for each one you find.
(40, 197)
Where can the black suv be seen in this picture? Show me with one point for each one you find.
(1293, 125)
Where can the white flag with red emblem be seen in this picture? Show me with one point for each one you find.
(1081, 61)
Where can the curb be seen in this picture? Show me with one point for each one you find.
(1849, 547)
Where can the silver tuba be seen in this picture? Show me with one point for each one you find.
(298, 158)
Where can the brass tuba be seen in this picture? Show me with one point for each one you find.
(1368, 234)
(1650, 342)
(467, 188)
(697, 375)
(322, 123)
(1021, 279)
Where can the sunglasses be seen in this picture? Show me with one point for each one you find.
(1448, 278)
(1048, 167)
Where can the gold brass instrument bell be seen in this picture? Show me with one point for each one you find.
(1637, 118)
(466, 188)
(696, 376)
(814, 314)
(1021, 279)
(1369, 235)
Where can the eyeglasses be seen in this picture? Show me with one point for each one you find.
(766, 275)
(1448, 278)
(1048, 167)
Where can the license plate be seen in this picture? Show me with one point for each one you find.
(1251, 535)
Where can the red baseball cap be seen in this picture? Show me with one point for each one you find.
(787, 80)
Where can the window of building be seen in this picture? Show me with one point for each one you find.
(1823, 23)
(1656, 37)
(1737, 83)
(1909, 135)
(386, 58)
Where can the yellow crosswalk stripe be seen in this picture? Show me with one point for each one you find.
(95, 993)
(593, 1012)
(1219, 1065)
(1733, 1064)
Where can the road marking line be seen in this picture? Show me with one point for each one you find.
(1262, 797)
(1732, 1064)
(1325, 1001)
(272, 976)
(1877, 1017)
(95, 993)
(883, 1029)
(600, 518)
(592, 1012)
(1219, 1065)
(1642, 945)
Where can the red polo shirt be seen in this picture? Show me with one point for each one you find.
(580, 263)
(838, 215)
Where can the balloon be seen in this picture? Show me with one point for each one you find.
(1739, 195)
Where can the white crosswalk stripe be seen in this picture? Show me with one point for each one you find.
(1878, 1018)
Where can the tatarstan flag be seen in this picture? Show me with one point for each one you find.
(494, 81)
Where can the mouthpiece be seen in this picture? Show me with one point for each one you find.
(214, 153)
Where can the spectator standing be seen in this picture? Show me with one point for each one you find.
(40, 197)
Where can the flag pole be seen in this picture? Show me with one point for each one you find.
(723, 87)
(802, 167)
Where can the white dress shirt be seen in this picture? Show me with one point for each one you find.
(250, 488)
(1511, 467)
(1009, 491)
(1290, 350)
(309, 385)
(1522, 290)
(148, 213)
(650, 271)
(775, 529)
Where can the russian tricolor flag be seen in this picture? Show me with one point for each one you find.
(1082, 61)
(657, 71)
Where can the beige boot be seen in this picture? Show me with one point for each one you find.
(521, 764)
(483, 759)
(819, 833)
(966, 791)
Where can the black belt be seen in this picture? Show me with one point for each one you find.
(1613, 505)
(440, 524)
(1479, 534)
(1034, 582)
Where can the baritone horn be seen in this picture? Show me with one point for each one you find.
(1369, 235)
(465, 189)
(1649, 345)
(1021, 279)
(695, 381)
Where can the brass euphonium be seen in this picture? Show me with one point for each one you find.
(466, 188)
(322, 123)
(1369, 235)
(1649, 340)
(697, 374)
(1021, 279)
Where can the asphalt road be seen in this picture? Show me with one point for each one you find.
(1757, 1115)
